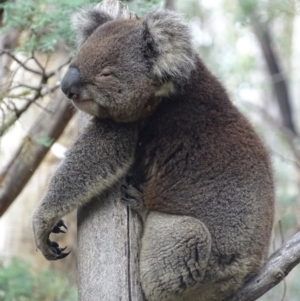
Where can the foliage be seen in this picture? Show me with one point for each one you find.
(45, 23)
(19, 283)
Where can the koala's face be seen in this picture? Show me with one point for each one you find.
(114, 80)
(124, 67)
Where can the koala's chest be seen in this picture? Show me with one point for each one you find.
(180, 166)
(159, 171)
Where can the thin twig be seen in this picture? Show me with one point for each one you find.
(280, 231)
(19, 112)
(37, 61)
(19, 97)
(47, 61)
(42, 107)
(286, 160)
(24, 86)
(51, 90)
(20, 63)
(34, 92)
(13, 73)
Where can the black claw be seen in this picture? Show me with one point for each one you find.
(62, 255)
(62, 224)
(57, 227)
(54, 244)
(57, 251)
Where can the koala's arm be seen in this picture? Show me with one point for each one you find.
(98, 160)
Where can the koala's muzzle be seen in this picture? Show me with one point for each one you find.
(70, 83)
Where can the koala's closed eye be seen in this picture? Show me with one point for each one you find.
(104, 74)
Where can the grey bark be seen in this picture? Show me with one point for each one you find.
(108, 237)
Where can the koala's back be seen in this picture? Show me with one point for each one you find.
(198, 156)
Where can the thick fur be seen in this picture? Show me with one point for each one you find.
(87, 21)
(192, 165)
(175, 57)
(80, 176)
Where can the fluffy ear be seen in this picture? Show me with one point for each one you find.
(168, 46)
(86, 21)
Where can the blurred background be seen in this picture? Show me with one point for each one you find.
(252, 46)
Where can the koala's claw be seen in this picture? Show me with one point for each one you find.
(50, 249)
(63, 255)
(54, 244)
(57, 227)
(55, 251)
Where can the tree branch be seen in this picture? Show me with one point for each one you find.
(37, 91)
(274, 271)
(8, 52)
(37, 61)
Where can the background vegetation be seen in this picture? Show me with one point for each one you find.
(18, 282)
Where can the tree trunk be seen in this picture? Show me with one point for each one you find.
(108, 238)
(108, 232)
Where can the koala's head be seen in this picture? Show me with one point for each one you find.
(124, 67)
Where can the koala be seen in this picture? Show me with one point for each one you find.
(165, 133)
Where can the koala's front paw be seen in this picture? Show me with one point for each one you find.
(132, 196)
(50, 249)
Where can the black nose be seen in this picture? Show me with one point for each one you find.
(70, 84)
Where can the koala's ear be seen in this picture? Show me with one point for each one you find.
(168, 46)
(86, 21)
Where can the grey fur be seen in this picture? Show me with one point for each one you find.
(86, 21)
(89, 18)
(176, 57)
(77, 179)
(192, 165)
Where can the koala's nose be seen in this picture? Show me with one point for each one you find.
(70, 83)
